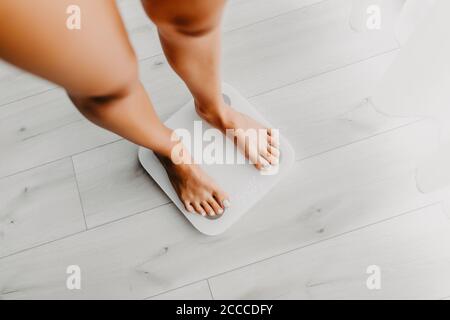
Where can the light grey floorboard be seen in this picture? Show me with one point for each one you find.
(141, 31)
(167, 92)
(113, 184)
(44, 128)
(156, 251)
(16, 84)
(329, 110)
(114, 251)
(296, 46)
(38, 206)
(195, 291)
(241, 13)
(412, 252)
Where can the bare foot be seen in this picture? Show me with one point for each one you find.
(261, 148)
(195, 188)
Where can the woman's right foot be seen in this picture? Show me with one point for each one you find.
(197, 191)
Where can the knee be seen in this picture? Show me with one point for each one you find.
(117, 81)
(196, 18)
(115, 84)
(193, 27)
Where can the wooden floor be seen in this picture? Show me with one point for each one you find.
(74, 194)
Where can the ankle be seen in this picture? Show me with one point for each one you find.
(173, 152)
(173, 168)
(216, 113)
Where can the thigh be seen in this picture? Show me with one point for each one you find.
(88, 61)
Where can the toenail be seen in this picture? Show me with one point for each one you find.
(220, 211)
(226, 203)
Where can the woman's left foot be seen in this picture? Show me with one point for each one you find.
(258, 143)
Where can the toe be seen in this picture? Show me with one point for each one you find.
(267, 155)
(199, 209)
(216, 207)
(221, 198)
(272, 159)
(188, 206)
(252, 152)
(264, 155)
(273, 137)
(273, 151)
(262, 163)
(273, 141)
(208, 209)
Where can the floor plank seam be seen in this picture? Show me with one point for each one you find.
(79, 194)
(362, 139)
(397, 40)
(174, 289)
(41, 245)
(277, 16)
(59, 159)
(148, 210)
(210, 290)
(298, 81)
(82, 231)
(29, 96)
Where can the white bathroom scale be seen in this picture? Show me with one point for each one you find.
(244, 184)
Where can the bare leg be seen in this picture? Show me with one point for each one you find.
(98, 68)
(190, 35)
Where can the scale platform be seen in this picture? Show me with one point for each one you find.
(244, 184)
